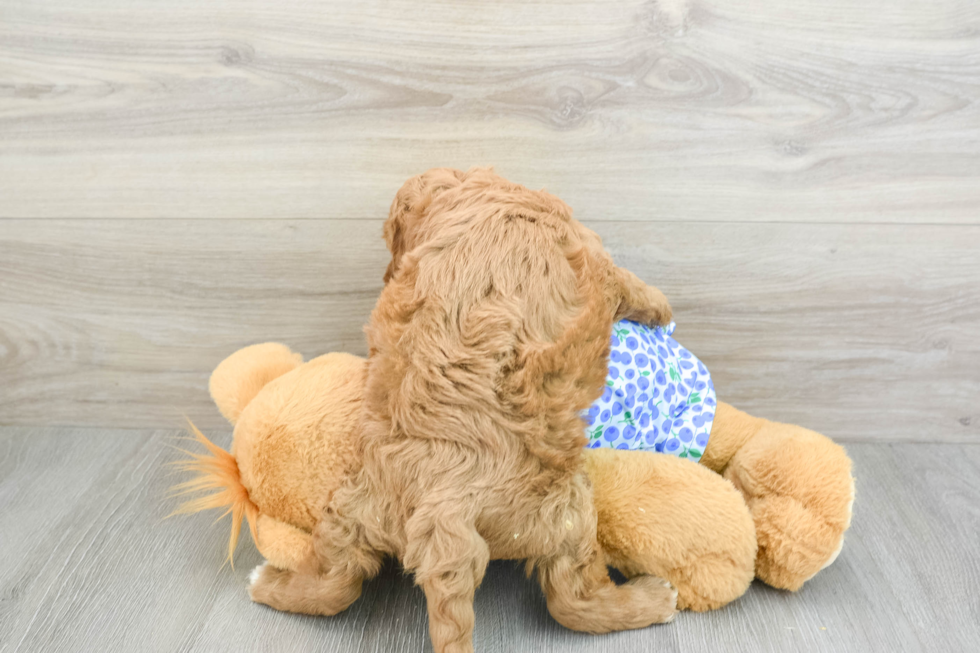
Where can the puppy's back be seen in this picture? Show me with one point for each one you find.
(496, 320)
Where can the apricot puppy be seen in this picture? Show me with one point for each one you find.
(491, 335)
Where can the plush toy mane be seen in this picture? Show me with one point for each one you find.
(216, 470)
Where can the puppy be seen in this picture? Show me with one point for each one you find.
(490, 336)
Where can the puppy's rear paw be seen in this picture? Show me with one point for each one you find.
(264, 583)
(253, 577)
(656, 597)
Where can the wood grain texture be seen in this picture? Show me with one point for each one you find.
(865, 332)
(90, 564)
(741, 110)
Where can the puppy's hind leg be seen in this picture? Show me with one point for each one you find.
(581, 596)
(306, 593)
(328, 580)
(449, 559)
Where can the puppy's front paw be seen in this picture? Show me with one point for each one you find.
(653, 309)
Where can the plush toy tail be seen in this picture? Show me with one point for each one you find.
(234, 383)
(238, 378)
(217, 470)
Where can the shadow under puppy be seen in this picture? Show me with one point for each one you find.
(491, 335)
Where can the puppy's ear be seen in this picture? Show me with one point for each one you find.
(396, 245)
(408, 211)
(401, 216)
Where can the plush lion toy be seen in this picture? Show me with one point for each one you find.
(767, 500)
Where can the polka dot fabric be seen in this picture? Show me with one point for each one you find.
(658, 396)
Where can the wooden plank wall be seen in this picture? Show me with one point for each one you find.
(802, 178)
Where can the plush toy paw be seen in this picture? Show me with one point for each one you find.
(798, 487)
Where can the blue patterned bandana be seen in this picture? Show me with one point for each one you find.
(658, 396)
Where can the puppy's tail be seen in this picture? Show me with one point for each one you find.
(216, 470)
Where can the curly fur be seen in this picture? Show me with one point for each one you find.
(489, 338)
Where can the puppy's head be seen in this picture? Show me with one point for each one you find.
(409, 211)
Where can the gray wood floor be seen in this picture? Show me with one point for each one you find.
(90, 564)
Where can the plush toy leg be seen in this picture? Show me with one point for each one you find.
(673, 518)
(798, 486)
(282, 544)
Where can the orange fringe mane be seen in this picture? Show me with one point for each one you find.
(216, 470)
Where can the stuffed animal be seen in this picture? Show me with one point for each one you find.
(768, 500)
